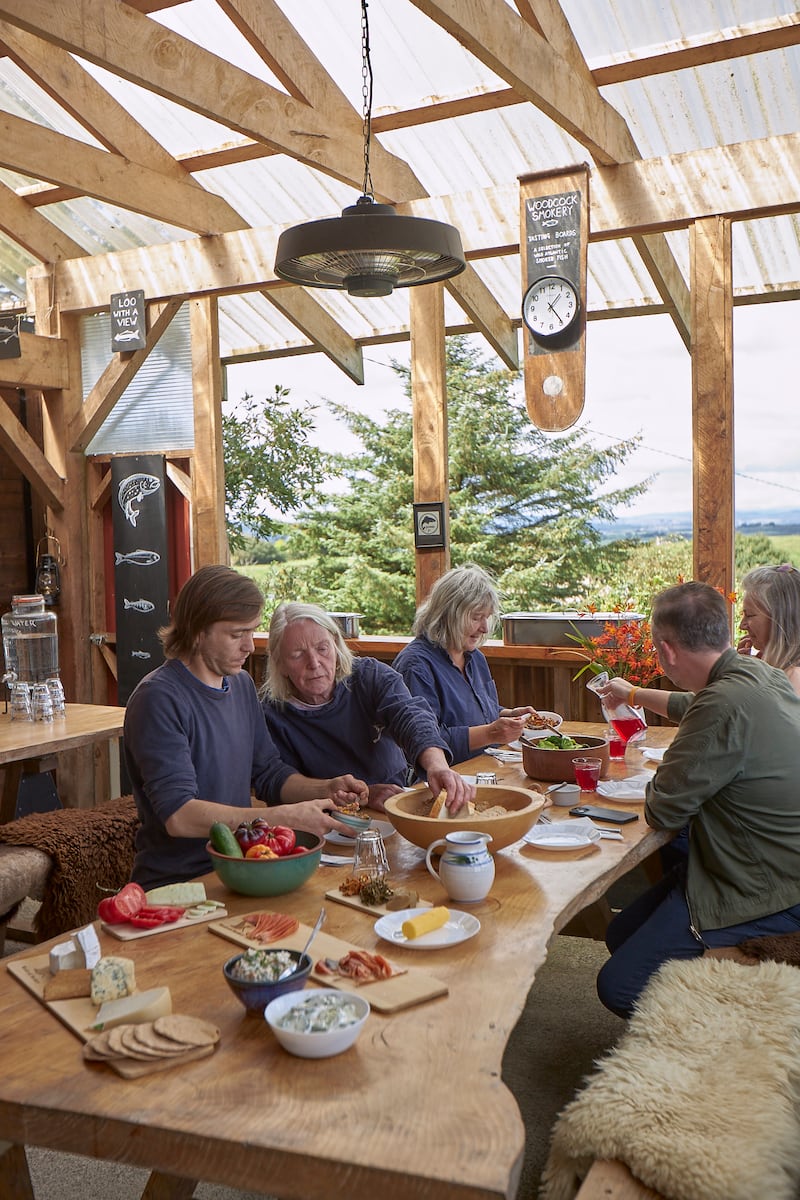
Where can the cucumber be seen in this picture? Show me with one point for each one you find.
(223, 841)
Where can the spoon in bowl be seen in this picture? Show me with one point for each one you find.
(320, 921)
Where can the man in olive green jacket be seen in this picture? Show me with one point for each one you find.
(732, 775)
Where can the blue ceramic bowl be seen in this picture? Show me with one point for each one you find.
(256, 996)
(269, 876)
(357, 823)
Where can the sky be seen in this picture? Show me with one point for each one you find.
(638, 380)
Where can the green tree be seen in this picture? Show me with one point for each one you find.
(522, 502)
(269, 464)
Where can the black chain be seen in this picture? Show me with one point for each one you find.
(366, 95)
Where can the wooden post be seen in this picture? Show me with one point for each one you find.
(712, 402)
(429, 415)
(210, 543)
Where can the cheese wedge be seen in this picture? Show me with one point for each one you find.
(132, 1010)
(66, 956)
(182, 894)
(425, 922)
(112, 978)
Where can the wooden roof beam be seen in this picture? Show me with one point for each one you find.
(552, 73)
(32, 231)
(28, 458)
(37, 151)
(120, 39)
(319, 326)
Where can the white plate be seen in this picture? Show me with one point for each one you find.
(384, 828)
(533, 735)
(459, 927)
(625, 791)
(563, 835)
(653, 753)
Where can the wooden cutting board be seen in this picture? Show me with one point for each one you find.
(377, 910)
(127, 933)
(385, 995)
(78, 1015)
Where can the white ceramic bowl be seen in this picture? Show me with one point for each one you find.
(545, 731)
(315, 1045)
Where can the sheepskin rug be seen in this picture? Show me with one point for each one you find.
(701, 1096)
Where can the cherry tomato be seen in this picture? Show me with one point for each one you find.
(297, 850)
(251, 833)
(261, 851)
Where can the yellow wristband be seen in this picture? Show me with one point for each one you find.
(631, 694)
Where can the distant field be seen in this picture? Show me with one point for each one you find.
(789, 544)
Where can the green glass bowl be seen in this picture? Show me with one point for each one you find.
(268, 876)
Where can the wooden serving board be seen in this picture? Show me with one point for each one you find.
(78, 1015)
(385, 995)
(128, 933)
(377, 910)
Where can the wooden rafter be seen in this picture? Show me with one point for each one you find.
(550, 70)
(144, 52)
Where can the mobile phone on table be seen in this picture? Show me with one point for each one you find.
(603, 814)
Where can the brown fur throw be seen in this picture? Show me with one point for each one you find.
(91, 848)
(779, 947)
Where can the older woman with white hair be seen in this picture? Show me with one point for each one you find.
(324, 706)
(445, 666)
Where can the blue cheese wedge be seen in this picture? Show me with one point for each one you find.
(132, 1010)
(112, 978)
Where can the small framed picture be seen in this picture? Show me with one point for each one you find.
(429, 525)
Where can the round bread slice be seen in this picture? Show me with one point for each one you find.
(187, 1031)
(146, 1038)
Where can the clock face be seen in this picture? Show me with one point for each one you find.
(550, 306)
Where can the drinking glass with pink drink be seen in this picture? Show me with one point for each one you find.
(587, 773)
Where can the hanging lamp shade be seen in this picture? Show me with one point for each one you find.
(369, 251)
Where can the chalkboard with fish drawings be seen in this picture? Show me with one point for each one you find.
(141, 566)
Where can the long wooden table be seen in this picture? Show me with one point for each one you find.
(415, 1109)
(23, 744)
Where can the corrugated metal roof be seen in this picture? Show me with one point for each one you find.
(417, 64)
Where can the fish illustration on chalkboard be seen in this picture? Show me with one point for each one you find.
(132, 490)
(139, 558)
(141, 606)
(141, 654)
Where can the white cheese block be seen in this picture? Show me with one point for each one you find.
(90, 945)
(66, 956)
(144, 1006)
(182, 894)
(112, 978)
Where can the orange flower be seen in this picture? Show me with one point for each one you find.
(622, 648)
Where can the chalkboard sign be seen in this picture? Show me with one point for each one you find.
(141, 566)
(553, 249)
(9, 337)
(128, 321)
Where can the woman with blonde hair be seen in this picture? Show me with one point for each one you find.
(324, 706)
(444, 664)
(771, 618)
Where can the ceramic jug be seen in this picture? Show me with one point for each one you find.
(466, 868)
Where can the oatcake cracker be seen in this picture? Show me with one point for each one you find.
(187, 1031)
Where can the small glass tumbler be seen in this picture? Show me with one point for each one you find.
(369, 857)
(616, 744)
(42, 703)
(587, 773)
(56, 690)
(20, 706)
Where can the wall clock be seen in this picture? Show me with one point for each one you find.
(550, 307)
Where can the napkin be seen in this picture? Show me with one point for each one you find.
(653, 753)
(505, 756)
(631, 788)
